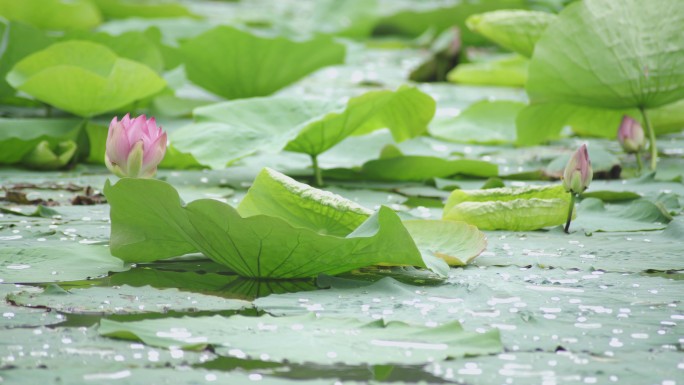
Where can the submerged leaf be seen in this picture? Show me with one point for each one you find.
(122, 299)
(327, 340)
(637, 215)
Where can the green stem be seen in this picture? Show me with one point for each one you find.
(640, 164)
(318, 176)
(571, 208)
(48, 111)
(651, 139)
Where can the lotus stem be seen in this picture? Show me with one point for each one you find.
(318, 176)
(640, 164)
(571, 208)
(651, 139)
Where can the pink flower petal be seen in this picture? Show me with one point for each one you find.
(118, 146)
(126, 120)
(155, 152)
(135, 130)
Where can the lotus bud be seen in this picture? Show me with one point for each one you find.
(134, 147)
(631, 135)
(578, 172)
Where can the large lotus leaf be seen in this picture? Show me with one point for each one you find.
(307, 125)
(131, 45)
(482, 122)
(518, 209)
(301, 205)
(19, 40)
(237, 64)
(611, 53)
(665, 119)
(83, 78)
(509, 70)
(516, 30)
(52, 14)
(121, 300)
(118, 9)
(19, 137)
(154, 225)
(306, 338)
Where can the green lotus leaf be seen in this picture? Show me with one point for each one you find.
(122, 299)
(52, 14)
(457, 243)
(310, 126)
(612, 54)
(21, 137)
(505, 70)
(237, 64)
(353, 342)
(515, 30)
(415, 18)
(47, 157)
(539, 123)
(19, 40)
(155, 225)
(131, 45)
(637, 215)
(26, 261)
(119, 9)
(421, 168)
(83, 78)
(483, 122)
(301, 205)
(518, 209)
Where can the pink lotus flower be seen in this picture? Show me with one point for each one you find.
(134, 147)
(631, 135)
(578, 172)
